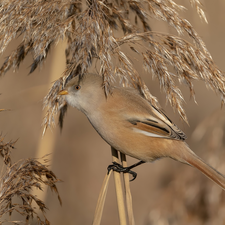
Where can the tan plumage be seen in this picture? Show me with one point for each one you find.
(127, 122)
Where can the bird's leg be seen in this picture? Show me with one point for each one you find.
(119, 168)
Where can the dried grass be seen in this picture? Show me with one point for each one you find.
(5, 150)
(89, 28)
(101, 200)
(17, 182)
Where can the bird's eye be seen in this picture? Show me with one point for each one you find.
(77, 87)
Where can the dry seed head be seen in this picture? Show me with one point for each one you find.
(89, 29)
(18, 181)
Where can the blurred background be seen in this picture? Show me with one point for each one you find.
(165, 192)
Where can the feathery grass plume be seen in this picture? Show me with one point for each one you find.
(5, 150)
(89, 29)
(198, 5)
(18, 181)
(187, 60)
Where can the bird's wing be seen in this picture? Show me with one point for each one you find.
(169, 123)
(146, 119)
(154, 128)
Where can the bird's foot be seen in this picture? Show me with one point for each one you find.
(119, 168)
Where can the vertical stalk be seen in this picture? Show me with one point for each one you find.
(119, 191)
(128, 195)
(101, 201)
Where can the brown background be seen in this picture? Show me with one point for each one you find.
(80, 157)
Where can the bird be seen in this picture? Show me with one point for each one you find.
(130, 124)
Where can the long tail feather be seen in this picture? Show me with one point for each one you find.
(210, 172)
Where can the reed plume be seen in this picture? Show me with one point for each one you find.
(96, 31)
(16, 183)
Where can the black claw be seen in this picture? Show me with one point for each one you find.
(134, 174)
(119, 168)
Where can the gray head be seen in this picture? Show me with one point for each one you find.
(84, 93)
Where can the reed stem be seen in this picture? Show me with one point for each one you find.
(119, 190)
(128, 195)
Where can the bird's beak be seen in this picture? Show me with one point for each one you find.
(63, 92)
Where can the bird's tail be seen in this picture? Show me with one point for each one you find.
(192, 159)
